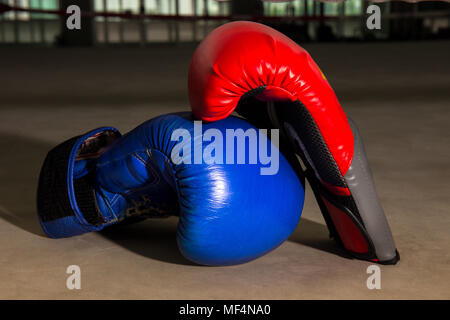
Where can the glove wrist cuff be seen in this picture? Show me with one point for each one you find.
(66, 200)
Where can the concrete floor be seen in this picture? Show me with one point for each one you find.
(398, 93)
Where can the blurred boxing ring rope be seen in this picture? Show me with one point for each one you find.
(128, 15)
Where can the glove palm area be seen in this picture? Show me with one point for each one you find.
(228, 213)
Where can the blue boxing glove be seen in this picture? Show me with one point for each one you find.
(232, 208)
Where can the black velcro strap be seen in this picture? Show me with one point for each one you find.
(52, 196)
(55, 186)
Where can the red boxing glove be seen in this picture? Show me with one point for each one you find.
(239, 57)
(272, 81)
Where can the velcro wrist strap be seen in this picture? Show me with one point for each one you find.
(66, 202)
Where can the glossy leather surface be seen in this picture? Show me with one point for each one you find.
(229, 213)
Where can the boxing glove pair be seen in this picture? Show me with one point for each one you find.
(273, 82)
(231, 209)
(229, 213)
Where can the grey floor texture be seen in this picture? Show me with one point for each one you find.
(398, 93)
